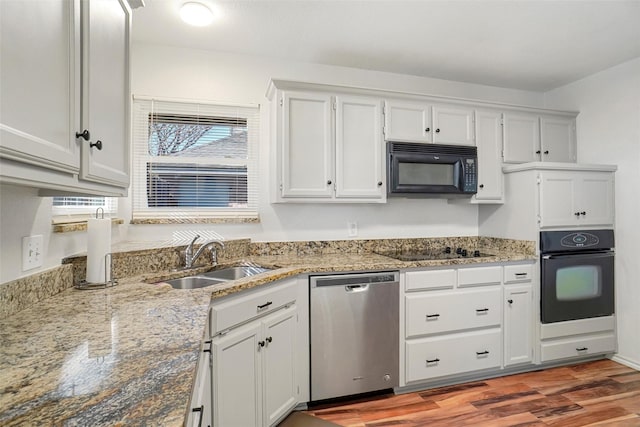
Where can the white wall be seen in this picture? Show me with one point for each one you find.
(163, 71)
(202, 75)
(608, 130)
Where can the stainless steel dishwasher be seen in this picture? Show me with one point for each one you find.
(354, 333)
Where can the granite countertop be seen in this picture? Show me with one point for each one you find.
(127, 355)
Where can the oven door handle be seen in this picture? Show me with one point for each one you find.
(591, 255)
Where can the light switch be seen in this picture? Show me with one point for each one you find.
(32, 252)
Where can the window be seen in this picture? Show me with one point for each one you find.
(194, 160)
(78, 208)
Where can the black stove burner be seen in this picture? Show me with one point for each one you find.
(436, 254)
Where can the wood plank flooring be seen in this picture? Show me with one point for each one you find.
(599, 393)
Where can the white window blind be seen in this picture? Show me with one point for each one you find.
(194, 160)
(75, 208)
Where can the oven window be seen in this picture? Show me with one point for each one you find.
(426, 173)
(578, 283)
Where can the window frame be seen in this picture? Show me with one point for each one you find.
(143, 107)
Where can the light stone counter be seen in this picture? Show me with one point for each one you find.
(127, 355)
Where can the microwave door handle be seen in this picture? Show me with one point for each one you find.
(581, 256)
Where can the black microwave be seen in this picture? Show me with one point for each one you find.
(431, 170)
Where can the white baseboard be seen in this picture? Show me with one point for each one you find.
(630, 363)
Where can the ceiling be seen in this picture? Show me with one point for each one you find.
(533, 45)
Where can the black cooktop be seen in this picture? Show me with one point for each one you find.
(435, 254)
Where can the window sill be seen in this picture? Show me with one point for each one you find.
(195, 220)
(68, 227)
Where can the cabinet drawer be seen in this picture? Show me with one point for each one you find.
(518, 273)
(576, 347)
(241, 309)
(428, 313)
(430, 279)
(435, 357)
(478, 276)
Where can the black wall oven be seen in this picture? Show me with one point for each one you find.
(577, 280)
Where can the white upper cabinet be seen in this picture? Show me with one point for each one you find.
(453, 125)
(307, 145)
(329, 148)
(576, 198)
(39, 104)
(531, 138)
(489, 142)
(359, 148)
(558, 139)
(407, 121)
(105, 92)
(411, 121)
(43, 108)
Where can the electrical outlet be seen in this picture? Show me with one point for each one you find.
(352, 229)
(32, 252)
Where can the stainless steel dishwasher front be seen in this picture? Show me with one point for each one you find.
(354, 333)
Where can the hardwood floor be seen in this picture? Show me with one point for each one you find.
(600, 393)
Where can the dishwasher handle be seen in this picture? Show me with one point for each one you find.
(356, 288)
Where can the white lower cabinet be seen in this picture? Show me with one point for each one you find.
(199, 414)
(453, 354)
(518, 325)
(255, 360)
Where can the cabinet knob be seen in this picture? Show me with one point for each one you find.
(538, 152)
(427, 129)
(577, 214)
(268, 339)
(84, 134)
(583, 213)
(510, 301)
(261, 344)
(546, 152)
(438, 130)
(379, 183)
(329, 182)
(481, 185)
(97, 144)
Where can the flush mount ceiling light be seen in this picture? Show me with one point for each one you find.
(196, 14)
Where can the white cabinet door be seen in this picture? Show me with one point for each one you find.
(557, 199)
(359, 150)
(521, 138)
(279, 364)
(453, 125)
(595, 198)
(237, 378)
(489, 142)
(557, 139)
(200, 411)
(407, 121)
(39, 75)
(105, 91)
(307, 145)
(518, 325)
(576, 198)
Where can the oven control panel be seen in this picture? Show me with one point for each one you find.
(579, 240)
(572, 240)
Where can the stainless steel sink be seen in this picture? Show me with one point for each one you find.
(193, 282)
(215, 277)
(234, 273)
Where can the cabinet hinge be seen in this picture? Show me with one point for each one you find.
(335, 105)
(280, 186)
(281, 102)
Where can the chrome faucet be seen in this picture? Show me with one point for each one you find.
(190, 257)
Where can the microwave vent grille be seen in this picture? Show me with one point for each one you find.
(405, 147)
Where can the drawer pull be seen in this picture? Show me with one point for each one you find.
(482, 310)
(520, 275)
(265, 305)
(432, 360)
(432, 316)
(582, 348)
(200, 412)
(482, 353)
